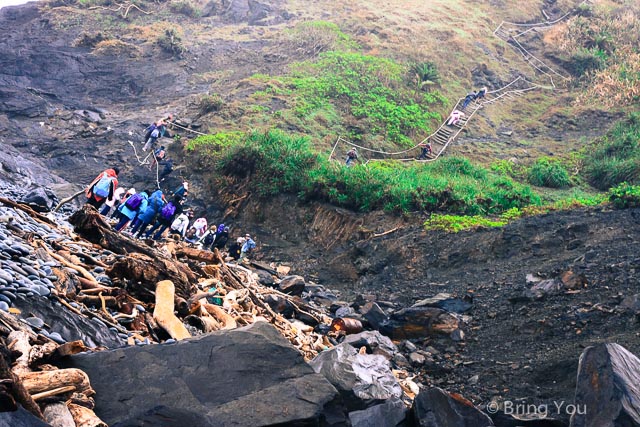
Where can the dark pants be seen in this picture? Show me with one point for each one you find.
(467, 101)
(140, 227)
(105, 210)
(93, 202)
(425, 153)
(160, 226)
(122, 223)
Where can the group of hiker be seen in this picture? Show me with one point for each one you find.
(153, 132)
(136, 211)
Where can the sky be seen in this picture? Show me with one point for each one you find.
(4, 3)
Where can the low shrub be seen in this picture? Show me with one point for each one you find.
(184, 7)
(625, 196)
(547, 172)
(615, 158)
(456, 223)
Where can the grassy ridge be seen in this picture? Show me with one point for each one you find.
(276, 162)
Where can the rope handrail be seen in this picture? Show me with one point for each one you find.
(546, 23)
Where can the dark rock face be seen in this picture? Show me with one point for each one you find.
(40, 199)
(292, 285)
(247, 376)
(436, 408)
(608, 388)
(69, 325)
(387, 414)
(20, 418)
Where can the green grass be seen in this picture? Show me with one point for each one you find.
(277, 162)
(547, 172)
(377, 92)
(615, 158)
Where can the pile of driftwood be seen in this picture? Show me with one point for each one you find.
(205, 291)
(61, 397)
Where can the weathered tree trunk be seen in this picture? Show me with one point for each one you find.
(197, 254)
(143, 272)
(36, 382)
(19, 341)
(58, 415)
(163, 312)
(13, 391)
(85, 417)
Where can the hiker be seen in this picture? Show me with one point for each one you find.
(207, 239)
(191, 236)
(426, 150)
(158, 155)
(236, 248)
(352, 156)
(168, 168)
(116, 212)
(200, 225)
(153, 137)
(109, 203)
(455, 117)
(471, 96)
(129, 209)
(149, 130)
(102, 188)
(247, 246)
(221, 239)
(181, 223)
(146, 217)
(481, 93)
(166, 215)
(183, 190)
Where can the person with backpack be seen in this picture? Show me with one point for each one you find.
(200, 225)
(166, 171)
(471, 96)
(427, 151)
(221, 239)
(153, 137)
(102, 188)
(208, 238)
(146, 217)
(181, 223)
(191, 236)
(247, 247)
(129, 209)
(352, 156)
(165, 217)
(110, 203)
(236, 248)
(158, 156)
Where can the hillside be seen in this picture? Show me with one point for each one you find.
(262, 90)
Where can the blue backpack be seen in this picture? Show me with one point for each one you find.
(168, 211)
(102, 187)
(134, 201)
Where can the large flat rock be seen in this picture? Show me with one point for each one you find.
(249, 376)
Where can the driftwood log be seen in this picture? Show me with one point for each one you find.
(12, 391)
(84, 417)
(163, 312)
(143, 272)
(37, 382)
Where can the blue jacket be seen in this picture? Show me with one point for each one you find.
(154, 205)
(132, 214)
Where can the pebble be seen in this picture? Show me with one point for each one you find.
(4, 306)
(57, 338)
(140, 308)
(9, 295)
(98, 270)
(5, 298)
(35, 322)
(31, 270)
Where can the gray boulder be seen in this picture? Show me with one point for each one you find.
(608, 388)
(388, 414)
(374, 341)
(292, 285)
(436, 408)
(40, 199)
(362, 379)
(247, 376)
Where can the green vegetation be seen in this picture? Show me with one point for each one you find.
(314, 37)
(368, 88)
(625, 196)
(184, 7)
(616, 158)
(547, 172)
(171, 42)
(277, 162)
(209, 104)
(456, 223)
